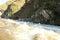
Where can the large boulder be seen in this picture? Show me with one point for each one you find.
(45, 11)
(13, 7)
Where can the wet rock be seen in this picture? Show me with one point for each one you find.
(37, 11)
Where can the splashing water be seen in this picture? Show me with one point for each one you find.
(19, 30)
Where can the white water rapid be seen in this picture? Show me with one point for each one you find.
(19, 30)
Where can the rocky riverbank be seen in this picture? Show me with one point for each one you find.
(37, 11)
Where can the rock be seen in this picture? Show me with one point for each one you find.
(13, 6)
(1, 12)
(37, 11)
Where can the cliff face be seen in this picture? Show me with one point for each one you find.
(45, 11)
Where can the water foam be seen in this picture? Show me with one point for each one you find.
(15, 30)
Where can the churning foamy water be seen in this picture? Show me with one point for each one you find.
(19, 30)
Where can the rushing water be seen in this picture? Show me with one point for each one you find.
(44, 26)
(20, 30)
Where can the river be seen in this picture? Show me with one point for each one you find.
(21, 30)
(44, 26)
